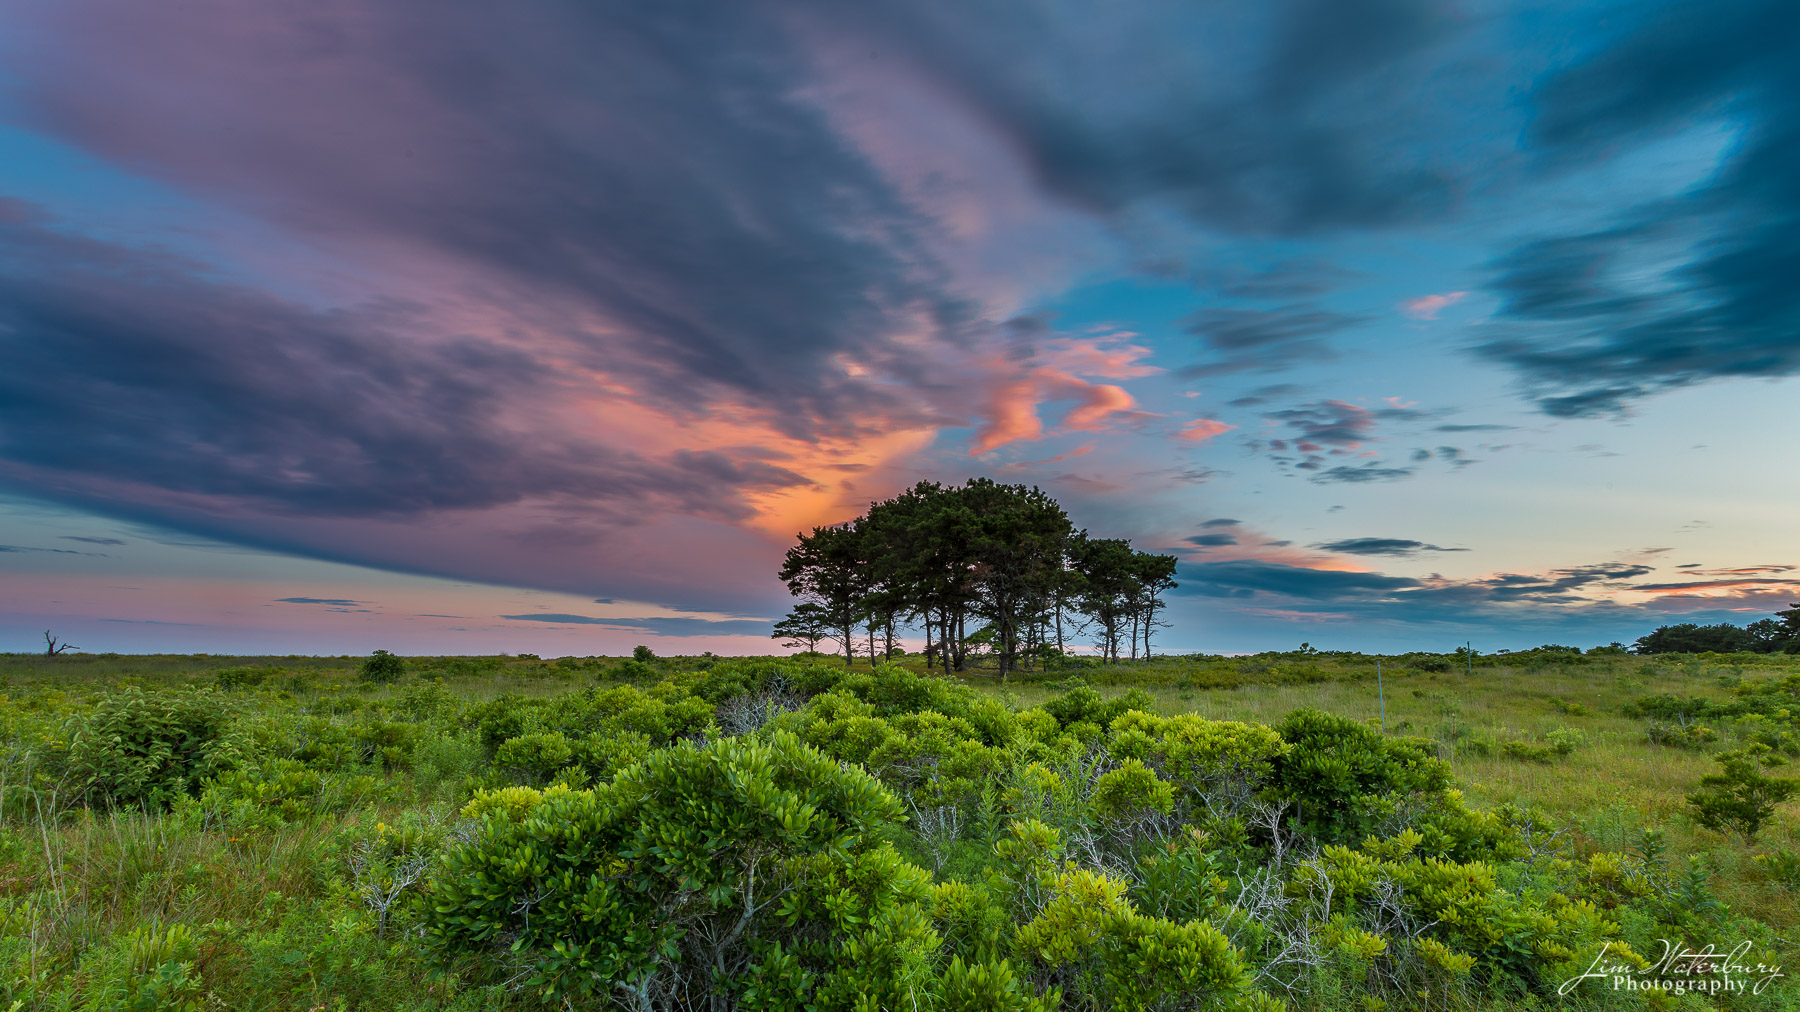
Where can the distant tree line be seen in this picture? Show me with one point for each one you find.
(1780, 634)
(981, 567)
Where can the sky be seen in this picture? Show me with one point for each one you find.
(544, 327)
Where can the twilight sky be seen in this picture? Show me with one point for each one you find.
(461, 327)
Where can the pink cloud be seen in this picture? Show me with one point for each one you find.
(1012, 416)
(1100, 402)
(1427, 307)
(1202, 429)
(1016, 390)
(1107, 357)
(1021, 465)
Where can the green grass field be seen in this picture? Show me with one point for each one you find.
(149, 907)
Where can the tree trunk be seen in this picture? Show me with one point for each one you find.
(945, 631)
(962, 637)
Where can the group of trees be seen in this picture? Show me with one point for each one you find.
(977, 565)
(1780, 634)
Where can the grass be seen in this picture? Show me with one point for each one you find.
(73, 889)
(1606, 790)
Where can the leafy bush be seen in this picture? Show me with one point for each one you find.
(381, 668)
(1689, 736)
(1782, 867)
(1565, 740)
(244, 676)
(277, 792)
(736, 867)
(1527, 751)
(1741, 797)
(147, 749)
(1569, 706)
(1338, 770)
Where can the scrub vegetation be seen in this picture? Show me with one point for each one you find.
(701, 832)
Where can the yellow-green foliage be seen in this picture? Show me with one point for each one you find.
(1131, 791)
(489, 832)
(1145, 962)
(511, 803)
(1199, 754)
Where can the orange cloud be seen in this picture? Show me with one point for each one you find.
(1427, 307)
(1202, 429)
(1013, 407)
(1012, 416)
(1104, 356)
(1102, 400)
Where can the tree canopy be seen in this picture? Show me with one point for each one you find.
(1780, 634)
(980, 565)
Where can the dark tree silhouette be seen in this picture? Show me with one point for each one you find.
(982, 565)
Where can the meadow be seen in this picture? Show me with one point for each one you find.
(194, 832)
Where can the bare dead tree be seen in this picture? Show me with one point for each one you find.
(381, 884)
(53, 648)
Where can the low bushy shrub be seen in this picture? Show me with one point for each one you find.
(382, 668)
(140, 749)
(742, 868)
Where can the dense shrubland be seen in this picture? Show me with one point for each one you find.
(781, 835)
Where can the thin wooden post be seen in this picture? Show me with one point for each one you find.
(1381, 694)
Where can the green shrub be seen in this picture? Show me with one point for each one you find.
(1569, 707)
(382, 668)
(1741, 797)
(1338, 770)
(1528, 751)
(1131, 793)
(441, 759)
(735, 867)
(277, 792)
(1782, 867)
(1565, 740)
(244, 676)
(987, 987)
(147, 749)
(535, 758)
(1082, 705)
(1689, 736)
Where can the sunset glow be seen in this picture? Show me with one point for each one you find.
(1401, 327)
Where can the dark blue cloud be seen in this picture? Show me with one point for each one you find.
(337, 602)
(55, 551)
(1249, 577)
(1565, 598)
(1263, 394)
(1344, 474)
(1257, 140)
(659, 626)
(1681, 290)
(103, 339)
(1382, 546)
(1221, 522)
(1210, 540)
(1264, 339)
(92, 541)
